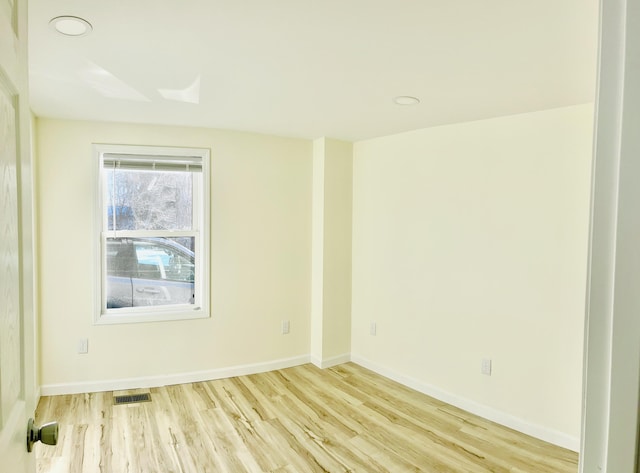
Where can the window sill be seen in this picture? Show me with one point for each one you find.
(135, 317)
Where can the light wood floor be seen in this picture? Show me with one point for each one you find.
(302, 419)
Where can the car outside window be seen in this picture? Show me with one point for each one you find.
(152, 233)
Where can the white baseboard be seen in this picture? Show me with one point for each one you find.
(543, 433)
(540, 432)
(329, 362)
(165, 380)
(37, 395)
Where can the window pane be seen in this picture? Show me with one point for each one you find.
(149, 200)
(165, 258)
(150, 271)
(154, 232)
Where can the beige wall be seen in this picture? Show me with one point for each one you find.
(260, 256)
(331, 252)
(338, 175)
(470, 242)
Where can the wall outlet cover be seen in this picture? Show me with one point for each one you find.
(83, 346)
(285, 327)
(485, 367)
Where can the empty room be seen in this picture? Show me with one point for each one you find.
(318, 236)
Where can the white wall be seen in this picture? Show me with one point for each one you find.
(470, 241)
(260, 258)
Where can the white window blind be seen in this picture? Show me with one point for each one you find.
(155, 162)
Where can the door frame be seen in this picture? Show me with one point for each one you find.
(612, 328)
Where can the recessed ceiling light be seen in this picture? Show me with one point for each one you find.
(71, 25)
(406, 100)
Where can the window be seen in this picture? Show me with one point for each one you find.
(152, 233)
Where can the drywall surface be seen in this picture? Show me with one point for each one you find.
(470, 242)
(260, 257)
(338, 179)
(331, 252)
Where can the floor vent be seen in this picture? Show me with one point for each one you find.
(131, 398)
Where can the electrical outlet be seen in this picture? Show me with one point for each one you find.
(372, 328)
(285, 327)
(485, 367)
(83, 346)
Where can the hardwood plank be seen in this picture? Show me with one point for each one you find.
(301, 419)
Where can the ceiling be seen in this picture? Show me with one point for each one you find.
(311, 68)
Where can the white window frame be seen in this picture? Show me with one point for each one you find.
(200, 230)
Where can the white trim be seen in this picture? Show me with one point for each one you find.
(200, 230)
(37, 395)
(543, 433)
(333, 361)
(165, 380)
